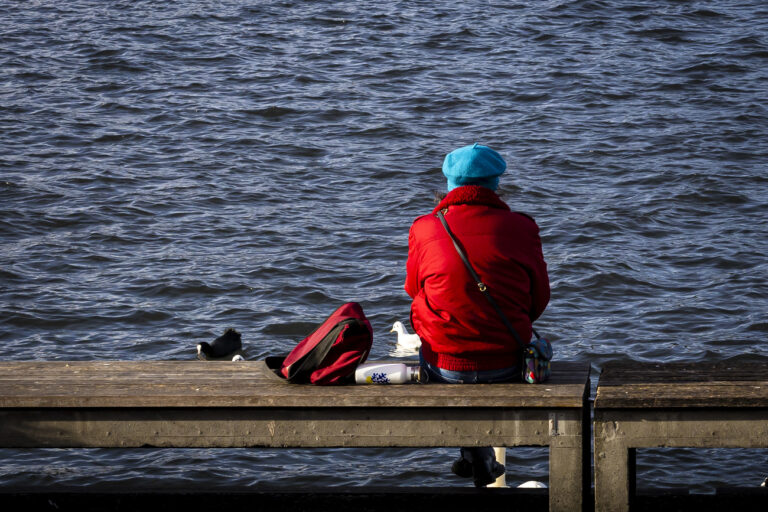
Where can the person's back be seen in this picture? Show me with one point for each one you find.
(458, 328)
(463, 339)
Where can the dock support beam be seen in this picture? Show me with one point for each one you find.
(619, 432)
(561, 431)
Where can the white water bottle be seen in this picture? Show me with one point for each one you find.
(387, 373)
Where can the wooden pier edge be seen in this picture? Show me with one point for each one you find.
(226, 404)
(648, 405)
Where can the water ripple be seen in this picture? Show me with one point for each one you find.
(169, 170)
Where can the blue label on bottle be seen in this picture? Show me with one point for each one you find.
(379, 378)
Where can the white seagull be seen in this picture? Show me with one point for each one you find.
(532, 484)
(405, 342)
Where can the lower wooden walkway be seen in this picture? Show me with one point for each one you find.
(225, 404)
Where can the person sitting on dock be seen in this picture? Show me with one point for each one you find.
(464, 341)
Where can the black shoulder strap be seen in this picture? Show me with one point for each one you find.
(312, 359)
(480, 285)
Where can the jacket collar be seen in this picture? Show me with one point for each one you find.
(471, 194)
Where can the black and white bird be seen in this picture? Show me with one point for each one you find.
(224, 348)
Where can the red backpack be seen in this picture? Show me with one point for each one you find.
(331, 353)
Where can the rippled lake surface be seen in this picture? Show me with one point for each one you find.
(170, 169)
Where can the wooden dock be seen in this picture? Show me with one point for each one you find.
(645, 405)
(225, 404)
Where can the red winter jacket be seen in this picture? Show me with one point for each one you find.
(459, 329)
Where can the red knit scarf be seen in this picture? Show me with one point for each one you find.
(471, 194)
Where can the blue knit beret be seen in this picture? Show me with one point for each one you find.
(473, 165)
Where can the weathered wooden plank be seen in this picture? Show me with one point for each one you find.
(683, 427)
(655, 385)
(208, 378)
(720, 395)
(183, 370)
(282, 427)
(207, 384)
(498, 395)
(666, 398)
(166, 364)
(193, 378)
(246, 387)
(620, 373)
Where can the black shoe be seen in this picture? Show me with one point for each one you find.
(486, 471)
(462, 467)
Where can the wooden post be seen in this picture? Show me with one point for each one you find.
(612, 486)
(501, 457)
(565, 461)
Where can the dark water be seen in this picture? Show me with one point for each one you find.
(171, 169)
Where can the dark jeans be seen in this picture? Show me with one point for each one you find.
(469, 376)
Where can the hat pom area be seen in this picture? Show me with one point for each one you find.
(473, 165)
